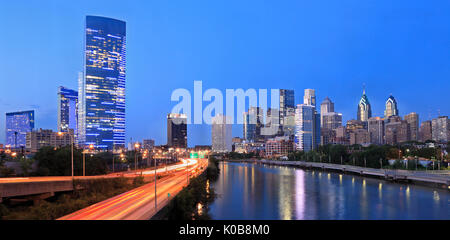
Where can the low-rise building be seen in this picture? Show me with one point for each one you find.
(35, 140)
(279, 146)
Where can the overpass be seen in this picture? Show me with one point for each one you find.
(38, 188)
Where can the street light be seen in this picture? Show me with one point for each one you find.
(136, 147)
(91, 148)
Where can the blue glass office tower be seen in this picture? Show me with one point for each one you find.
(307, 128)
(67, 109)
(17, 126)
(102, 86)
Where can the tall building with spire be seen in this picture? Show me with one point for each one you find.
(391, 107)
(364, 109)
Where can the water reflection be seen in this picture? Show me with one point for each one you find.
(250, 191)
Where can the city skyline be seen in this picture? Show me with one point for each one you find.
(408, 91)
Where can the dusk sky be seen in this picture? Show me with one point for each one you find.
(394, 47)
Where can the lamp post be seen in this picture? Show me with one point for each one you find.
(136, 147)
(91, 148)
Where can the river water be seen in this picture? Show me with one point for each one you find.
(256, 191)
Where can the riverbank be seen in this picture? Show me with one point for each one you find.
(436, 179)
(192, 203)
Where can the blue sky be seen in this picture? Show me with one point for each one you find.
(399, 47)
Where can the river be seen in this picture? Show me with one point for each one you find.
(254, 191)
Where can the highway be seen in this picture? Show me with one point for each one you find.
(161, 169)
(139, 203)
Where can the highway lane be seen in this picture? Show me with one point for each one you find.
(160, 169)
(139, 203)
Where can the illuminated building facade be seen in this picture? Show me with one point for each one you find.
(391, 107)
(441, 129)
(102, 87)
(18, 124)
(67, 109)
(364, 109)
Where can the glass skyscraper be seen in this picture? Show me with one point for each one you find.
(18, 124)
(307, 128)
(102, 87)
(67, 109)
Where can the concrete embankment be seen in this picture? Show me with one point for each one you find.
(440, 179)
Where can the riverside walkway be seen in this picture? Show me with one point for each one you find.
(441, 178)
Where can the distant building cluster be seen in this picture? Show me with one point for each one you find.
(302, 127)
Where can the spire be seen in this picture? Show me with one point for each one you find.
(364, 88)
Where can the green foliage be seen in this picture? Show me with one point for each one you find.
(57, 162)
(184, 205)
(26, 165)
(139, 180)
(3, 211)
(89, 192)
(213, 171)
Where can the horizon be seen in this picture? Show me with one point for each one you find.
(255, 49)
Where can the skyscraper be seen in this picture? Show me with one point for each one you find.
(413, 123)
(253, 120)
(307, 128)
(221, 134)
(177, 130)
(364, 109)
(331, 120)
(18, 124)
(310, 97)
(272, 126)
(102, 92)
(376, 130)
(391, 107)
(326, 106)
(287, 104)
(441, 129)
(425, 131)
(67, 109)
(396, 130)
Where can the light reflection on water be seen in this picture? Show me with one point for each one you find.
(253, 191)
